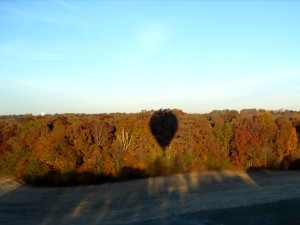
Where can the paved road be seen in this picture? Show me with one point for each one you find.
(143, 200)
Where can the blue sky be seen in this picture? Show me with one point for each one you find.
(126, 56)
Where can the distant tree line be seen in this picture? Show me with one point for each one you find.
(94, 148)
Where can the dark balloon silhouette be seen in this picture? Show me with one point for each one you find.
(163, 125)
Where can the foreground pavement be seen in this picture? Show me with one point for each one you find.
(178, 199)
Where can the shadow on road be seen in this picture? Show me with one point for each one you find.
(125, 202)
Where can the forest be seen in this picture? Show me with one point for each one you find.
(72, 149)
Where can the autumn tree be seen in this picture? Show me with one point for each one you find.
(143, 145)
(9, 131)
(32, 132)
(54, 149)
(193, 140)
(223, 136)
(87, 146)
(286, 139)
(267, 134)
(245, 131)
(102, 133)
(123, 136)
(81, 144)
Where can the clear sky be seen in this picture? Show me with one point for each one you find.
(126, 56)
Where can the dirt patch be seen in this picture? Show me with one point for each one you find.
(146, 199)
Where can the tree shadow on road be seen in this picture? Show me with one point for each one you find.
(123, 202)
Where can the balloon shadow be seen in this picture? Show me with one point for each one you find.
(163, 125)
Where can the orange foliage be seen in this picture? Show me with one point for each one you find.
(111, 145)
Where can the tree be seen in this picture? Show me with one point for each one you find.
(123, 136)
(32, 132)
(286, 139)
(102, 133)
(55, 150)
(245, 131)
(194, 138)
(267, 134)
